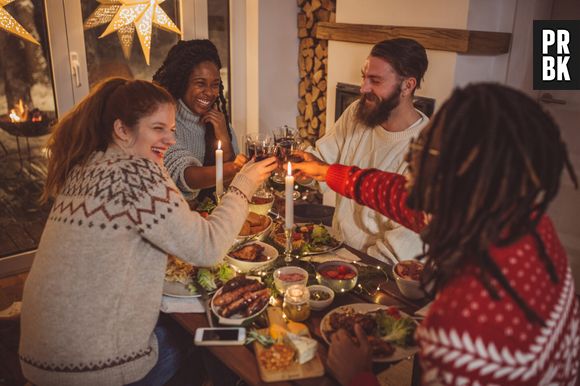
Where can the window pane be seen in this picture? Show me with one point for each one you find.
(105, 56)
(26, 88)
(219, 33)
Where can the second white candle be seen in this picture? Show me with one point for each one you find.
(289, 195)
(219, 170)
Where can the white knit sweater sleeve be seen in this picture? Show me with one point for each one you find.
(163, 217)
(330, 146)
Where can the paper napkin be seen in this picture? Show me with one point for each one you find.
(171, 304)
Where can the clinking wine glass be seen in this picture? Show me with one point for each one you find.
(287, 140)
(260, 146)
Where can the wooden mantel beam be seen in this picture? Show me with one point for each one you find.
(443, 39)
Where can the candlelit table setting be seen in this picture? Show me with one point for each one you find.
(372, 287)
(293, 298)
(303, 273)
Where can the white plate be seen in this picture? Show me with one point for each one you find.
(177, 290)
(400, 352)
(326, 249)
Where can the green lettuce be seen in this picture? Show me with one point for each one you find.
(206, 279)
(397, 331)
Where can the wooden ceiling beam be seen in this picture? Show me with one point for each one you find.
(442, 39)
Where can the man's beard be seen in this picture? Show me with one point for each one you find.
(372, 116)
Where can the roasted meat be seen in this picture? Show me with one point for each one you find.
(250, 252)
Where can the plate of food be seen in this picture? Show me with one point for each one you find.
(240, 300)
(252, 256)
(390, 331)
(308, 238)
(180, 276)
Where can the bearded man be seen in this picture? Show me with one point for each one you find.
(374, 132)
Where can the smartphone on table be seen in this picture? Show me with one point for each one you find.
(220, 336)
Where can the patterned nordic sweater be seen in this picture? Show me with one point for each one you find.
(92, 297)
(469, 339)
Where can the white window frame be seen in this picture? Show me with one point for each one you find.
(67, 43)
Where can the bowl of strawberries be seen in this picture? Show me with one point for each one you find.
(337, 275)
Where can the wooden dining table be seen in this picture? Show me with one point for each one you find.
(242, 360)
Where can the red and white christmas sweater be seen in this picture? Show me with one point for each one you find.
(468, 338)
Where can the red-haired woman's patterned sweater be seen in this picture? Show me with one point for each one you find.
(92, 297)
(467, 338)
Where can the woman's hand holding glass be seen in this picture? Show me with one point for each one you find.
(259, 171)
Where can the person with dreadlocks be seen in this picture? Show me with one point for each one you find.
(190, 73)
(375, 131)
(481, 178)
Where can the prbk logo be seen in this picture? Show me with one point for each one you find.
(557, 54)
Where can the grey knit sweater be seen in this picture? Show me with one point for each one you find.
(92, 297)
(189, 148)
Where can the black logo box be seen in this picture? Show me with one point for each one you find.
(573, 28)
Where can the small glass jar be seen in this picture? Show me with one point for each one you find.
(297, 303)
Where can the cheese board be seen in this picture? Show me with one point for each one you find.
(288, 355)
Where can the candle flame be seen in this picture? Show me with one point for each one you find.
(289, 169)
(219, 145)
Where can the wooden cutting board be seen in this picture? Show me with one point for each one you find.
(311, 369)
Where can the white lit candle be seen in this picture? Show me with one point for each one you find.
(219, 170)
(289, 185)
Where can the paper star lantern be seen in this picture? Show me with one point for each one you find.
(8, 23)
(128, 16)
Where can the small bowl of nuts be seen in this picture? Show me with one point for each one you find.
(320, 297)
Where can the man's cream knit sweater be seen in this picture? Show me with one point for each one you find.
(92, 297)
(350, 142)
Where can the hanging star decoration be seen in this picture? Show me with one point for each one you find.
(128, 16)
(8, 23)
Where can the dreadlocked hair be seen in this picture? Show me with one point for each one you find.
(182, 58)
(500, 161)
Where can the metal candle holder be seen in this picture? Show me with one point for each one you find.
(288, 250)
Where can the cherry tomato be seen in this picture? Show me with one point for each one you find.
(394, 312)
(204, 214)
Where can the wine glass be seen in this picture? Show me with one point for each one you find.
(287, 140)
(260, 146)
